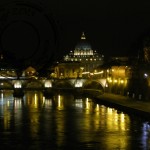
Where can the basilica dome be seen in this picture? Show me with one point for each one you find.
(83, 44)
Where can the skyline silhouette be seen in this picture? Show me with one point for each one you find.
(31, 29)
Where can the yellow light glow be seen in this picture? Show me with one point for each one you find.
(85, 72)
(87, 103)
(122, 81)
(122, 116)
(97, 107)
(48, 84)
(60, 102)
(78, 84)
(18, 103)
(35, 100)
(115, 81)
(99, 72)
(17, 84)
(109, 110)
(78, 103)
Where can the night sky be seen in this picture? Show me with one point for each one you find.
(112, 27)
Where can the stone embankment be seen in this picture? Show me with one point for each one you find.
(124, 103)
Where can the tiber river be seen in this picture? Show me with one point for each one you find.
(65, 122)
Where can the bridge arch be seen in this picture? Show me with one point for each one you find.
(93, 84)
(6, 84)
(62, 84)
(32, 84)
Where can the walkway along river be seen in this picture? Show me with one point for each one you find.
(65, 121)
(124, 103)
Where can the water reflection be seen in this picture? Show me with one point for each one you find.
(47, 103)
(62, 122)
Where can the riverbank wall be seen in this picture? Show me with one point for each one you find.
(124, 103)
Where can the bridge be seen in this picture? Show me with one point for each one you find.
(38, 84)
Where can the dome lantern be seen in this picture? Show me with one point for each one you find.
(83, 36)
(83, 44)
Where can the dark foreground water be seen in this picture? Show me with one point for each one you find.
(64, 122)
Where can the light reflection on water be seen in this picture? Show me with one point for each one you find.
(60, 122)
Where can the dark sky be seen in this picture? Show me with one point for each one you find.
(111, 26)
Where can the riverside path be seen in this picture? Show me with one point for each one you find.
(125, 103)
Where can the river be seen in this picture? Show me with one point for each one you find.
(67, 122)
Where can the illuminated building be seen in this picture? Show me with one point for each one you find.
(82, 60)
(30, 72)
(117, 73)
(6, 69)
(83, 53)
(68, 70)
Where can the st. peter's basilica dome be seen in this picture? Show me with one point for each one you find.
(83, 44)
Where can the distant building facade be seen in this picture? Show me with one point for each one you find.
(82, 60)
(117, 73)
(83, 53)
(68, 70)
